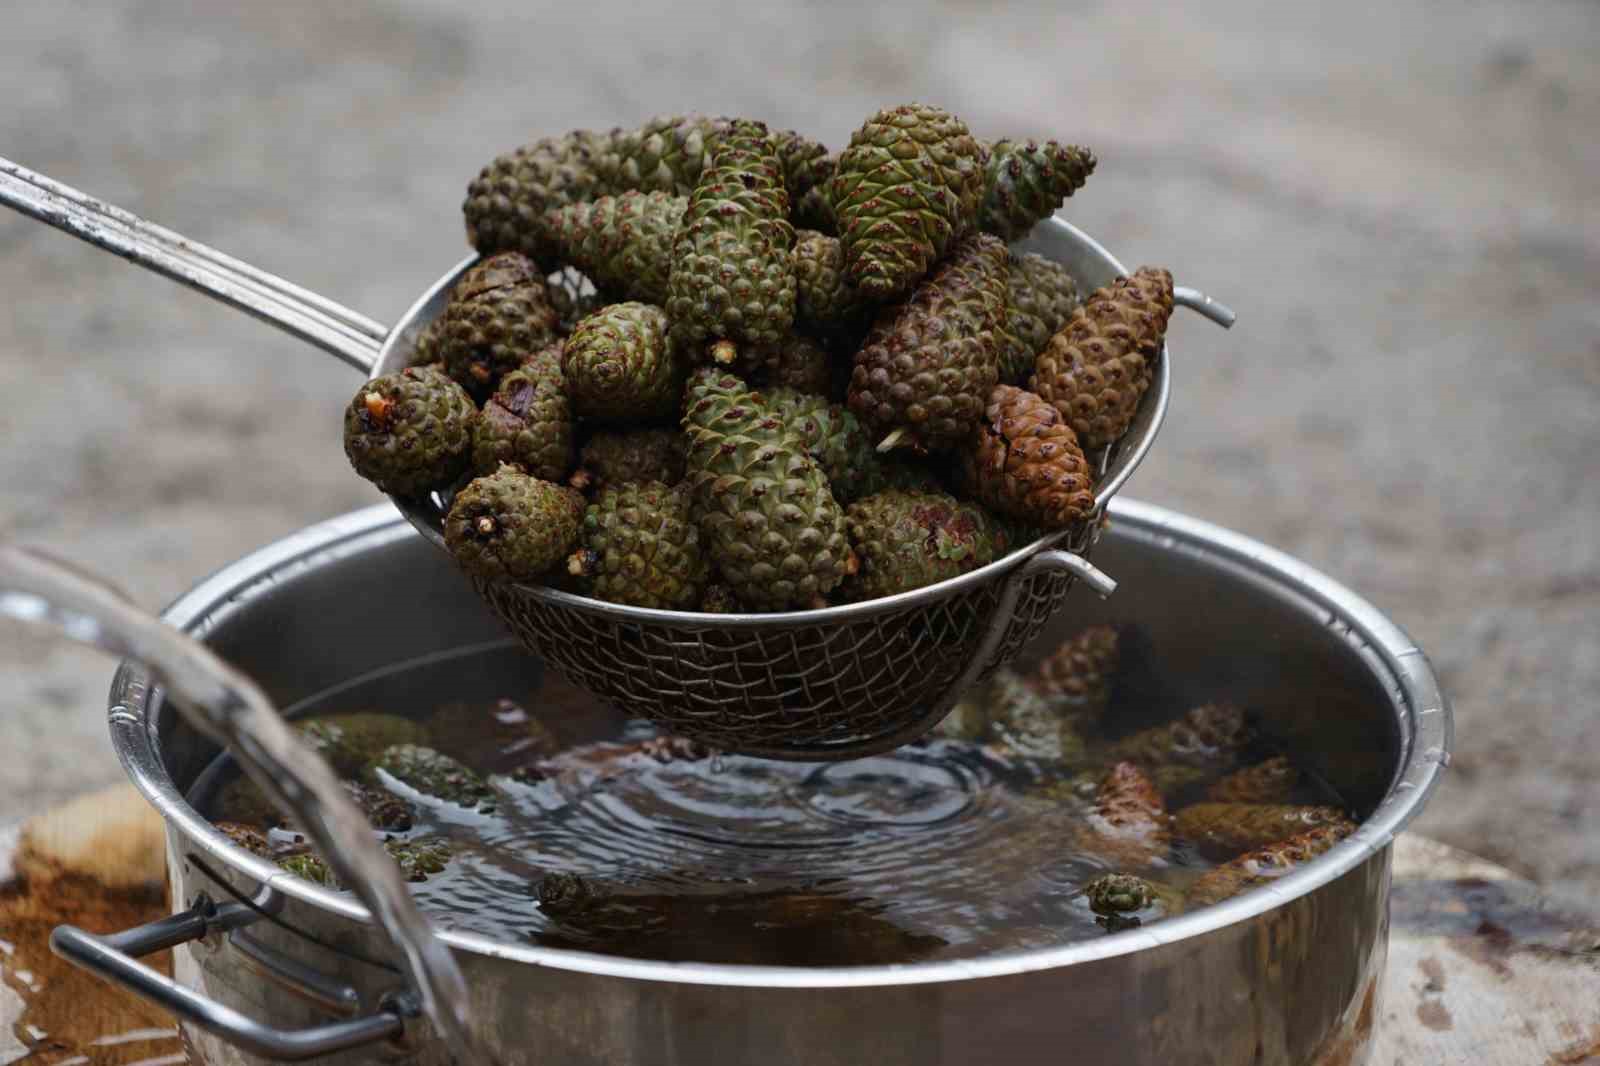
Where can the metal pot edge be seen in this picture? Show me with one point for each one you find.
(1425, 724)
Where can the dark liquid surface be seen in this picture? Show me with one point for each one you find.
(943, 849)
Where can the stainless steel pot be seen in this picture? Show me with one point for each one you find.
(1281, 975)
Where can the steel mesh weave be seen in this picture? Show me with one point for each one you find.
(787, 685)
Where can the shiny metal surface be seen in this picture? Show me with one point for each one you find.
(114, 958)
(825, 684)
(353, 338)
(1274, 976)
(228, 707)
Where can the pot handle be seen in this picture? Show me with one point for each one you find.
(114, 957)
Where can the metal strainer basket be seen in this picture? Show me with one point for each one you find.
(824, 684)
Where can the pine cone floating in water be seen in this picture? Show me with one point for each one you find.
(1226, 829)
(1263, 864)
(1076, 677)
(1272, 781)
(1209, 738)
(1128, 825)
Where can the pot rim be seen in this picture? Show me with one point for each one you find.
(1425, 723)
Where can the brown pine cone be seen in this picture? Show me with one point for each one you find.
(1076, 678)
(1097, 368)
(1026, 462)
(1128, 825)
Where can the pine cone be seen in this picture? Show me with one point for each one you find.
(929, 364)
(732, 275)
(907, 188)
(1097, 368)
(1026, 463)
(507, 204)
(1076, 677)
(498, 317)
(1043, 296)
(1264, 864)
(623, 243)
(1026, 181)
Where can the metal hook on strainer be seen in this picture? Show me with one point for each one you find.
(825, 684)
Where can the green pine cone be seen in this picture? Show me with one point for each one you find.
(507, 204)
(433, 775)
(1026, 181)
(349, 741)
(638, 455)
(425, 350)
(906, 190)
(1043, 297)
(621, 365)
(624, 242)
(640, 546)
(416, 859)
(825, 302)
(926, 370)
(499, 315)
(770, 522)
(666, 154)
(670, 152)
(510, 526)
(907, 540)
(732, 278)
(832, 436)
(527, 422)
(409, 432)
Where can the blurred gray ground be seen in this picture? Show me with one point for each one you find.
(1402, 200)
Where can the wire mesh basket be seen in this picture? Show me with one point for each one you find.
(830, 683)
(834, 682)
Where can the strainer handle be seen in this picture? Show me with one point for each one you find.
(353, 338)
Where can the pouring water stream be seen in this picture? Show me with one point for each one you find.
(232, 710)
